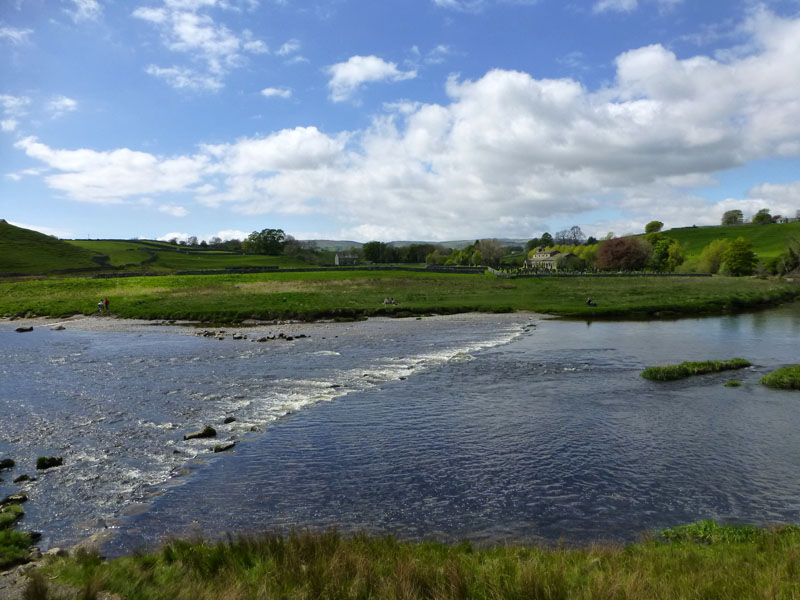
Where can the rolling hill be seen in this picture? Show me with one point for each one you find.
(23, 251)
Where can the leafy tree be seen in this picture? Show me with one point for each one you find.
(547, 240)
(739, 258)
(204, 244)
(215, 241)
(266, 241)
(627, 253)
(711, 257)
(476, 258)
(570, 262)
(192, 241)
(532, 244)
(591, 241)
(789, 260)
(491, 252)
(732, 217)
(291, 247)
(653, 227)
(762, 217)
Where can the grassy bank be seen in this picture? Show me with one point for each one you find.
(689, 369)
(699, 561)
(231, 298)
(787, 378)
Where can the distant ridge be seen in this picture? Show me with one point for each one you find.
(343, 245)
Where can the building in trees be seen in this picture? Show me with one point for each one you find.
(345, 260)
(542, 259)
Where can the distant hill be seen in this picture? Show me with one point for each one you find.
(25, 251)
(340, 246)
(768, 240)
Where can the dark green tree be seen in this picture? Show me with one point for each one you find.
(532, 244)
(266, 241)
(653, 227)
(547, 240)
(732, 217)
(762, 217)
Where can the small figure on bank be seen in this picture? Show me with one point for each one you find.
(590, 302)
(105, 302)
(100, 306)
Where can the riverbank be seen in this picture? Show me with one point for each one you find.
(702, 560)
(353, 295)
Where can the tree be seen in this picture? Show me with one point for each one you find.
(192, 241)
(576, 237)
(476, 258)
(733, 217)
(739, 258)
(762, 217)
(711, 257)
(266, 241)
(291, 247)
(627, 254)
(570, 262)
(591, 241)
(215, 241)
(491, 252)
(547, 240)
(653, 227)
(532, 244)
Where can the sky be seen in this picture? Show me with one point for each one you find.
(395, 119)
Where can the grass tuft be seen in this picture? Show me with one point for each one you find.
(787, 378)
(733, 383)
(689, 369)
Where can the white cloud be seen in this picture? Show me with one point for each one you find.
(14, 35)
(615, 6)
(61, 105)
(505, 155)
(14, 106)
(348, 77)
(185, 79)
(173, 210)
(85, 10)
(59, 233)
(91, 176)
(271, 92)
(184, 30)
(289, 47)
(8, 124)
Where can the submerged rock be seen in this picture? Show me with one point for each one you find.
(14, 499)
(23, 329)
(229, 420)
(57, 328)
(206, 432)
(224, 447)
(6, 463)
(48, 462)
(22, 478)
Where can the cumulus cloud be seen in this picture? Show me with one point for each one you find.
(271, 92)
(185, 30)
(505, 155)
(8, 124)
(347, 77)
(14, 35)
(61, 105)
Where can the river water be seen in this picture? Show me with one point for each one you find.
(495, 428)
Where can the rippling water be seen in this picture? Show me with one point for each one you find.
(479, 428)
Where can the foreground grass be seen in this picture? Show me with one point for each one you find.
(787, 378)
(688, 369)
(232, 298)
(700, 561)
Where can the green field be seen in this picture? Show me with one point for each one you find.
(25, 251)
(699, 561)
(119, 253)
(768, 240)
(231, 298)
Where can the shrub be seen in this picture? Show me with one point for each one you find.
(627, 254)
(739, 258)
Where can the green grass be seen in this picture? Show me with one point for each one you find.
(231, 298)
(768, 240)
(701, 561)
(688, 369)
(10, 514)
(119, 253)
(14, 547)
(183, 261)
(733, 383)
(30, 252)
(787, 378)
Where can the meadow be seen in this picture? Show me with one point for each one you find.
(349, 294)
(768, 240)
(703, 560)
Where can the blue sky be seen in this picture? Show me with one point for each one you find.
(395, 119)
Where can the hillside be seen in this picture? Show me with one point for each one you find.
(768, 240)
(28, 252)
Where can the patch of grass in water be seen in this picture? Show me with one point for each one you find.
(688, 369)
(787, 378)
(14, 547)
(733, 383)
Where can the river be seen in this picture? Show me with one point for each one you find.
(492, 428)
